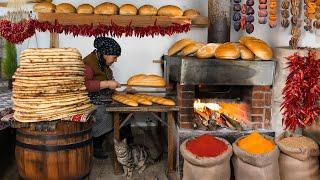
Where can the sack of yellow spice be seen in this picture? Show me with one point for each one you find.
(256, 144)
(255, 157)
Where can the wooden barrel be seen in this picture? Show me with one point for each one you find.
(65, 153)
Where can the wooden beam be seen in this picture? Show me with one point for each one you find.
(135, 21)
(54, 40)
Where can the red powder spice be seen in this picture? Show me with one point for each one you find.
(206, 146)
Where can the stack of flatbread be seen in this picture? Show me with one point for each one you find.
(49, 85)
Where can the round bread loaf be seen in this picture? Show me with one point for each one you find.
(128, 10)
(207, 51)
(179, 45)
(192, 48)
(45, 7)
(106, 9)
(65, 8)
(227, 51)
(170, 10)
(245, 53)
(260, 48)
(148, 10)
(85, 9)
(191, 13)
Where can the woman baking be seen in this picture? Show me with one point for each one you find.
(101, 85)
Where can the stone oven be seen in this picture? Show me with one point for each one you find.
(249, 82)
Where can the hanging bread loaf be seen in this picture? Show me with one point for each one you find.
(179, 45)
(146, 80)
(106, 9)
(157, 100)
(191, 13)
(128, 10)
(192, 48)
(45, 7)
(260, 48)
(138, 99)
(85, 9)
(65, 8)
(170, 10)
(227, 51)
(121, 98)
(207, 51)
(147, 10)
(245, 53)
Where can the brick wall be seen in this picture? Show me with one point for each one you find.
(186, 95)
(261, 106)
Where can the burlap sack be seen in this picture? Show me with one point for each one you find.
(201, 168)
(296, 163)
(255, 167)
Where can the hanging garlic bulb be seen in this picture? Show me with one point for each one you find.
(17, 11)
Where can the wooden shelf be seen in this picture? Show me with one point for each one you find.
(136, 21)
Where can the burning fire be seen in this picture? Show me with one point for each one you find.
(224, 114)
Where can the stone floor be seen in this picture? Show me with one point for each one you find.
(102, 169)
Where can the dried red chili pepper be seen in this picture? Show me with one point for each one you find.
(301, 92)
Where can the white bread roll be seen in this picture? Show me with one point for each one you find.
(179, 45)
(191, 13)
(106, 9)
(45, 7)
(227, 51)
(191, 48)
(128, 10)
(146, 80)
(158, 100)
(121, 98)
(147, 10)
(207, 51)
(85, 9)
(170, 10)
(65, 8)
(138, 99)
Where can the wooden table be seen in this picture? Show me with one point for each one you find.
(117, 109)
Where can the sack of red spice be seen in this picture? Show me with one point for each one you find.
(298, 158)
(249, 166)
(206, 157)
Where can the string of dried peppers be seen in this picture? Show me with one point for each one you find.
(18, 32)
(301, 92)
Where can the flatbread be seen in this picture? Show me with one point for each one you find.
(57, 53)
(39, 50)
(34, 74)
(49, 112)
(50, 78)
(30, 107)
(44, 65)
(52, 118)
(49, 101)
(62, 63)
(49, 96)
(46, 91)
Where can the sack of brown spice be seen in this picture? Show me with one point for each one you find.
(298, 158)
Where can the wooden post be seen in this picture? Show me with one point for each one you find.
(116, 133)
(219, 21)
(54, 40)
(170, 141)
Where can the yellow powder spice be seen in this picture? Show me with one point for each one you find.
(255, 143)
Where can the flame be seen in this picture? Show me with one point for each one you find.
(198, 105)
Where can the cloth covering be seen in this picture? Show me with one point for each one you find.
(104, 121)
(196, 168)
(291, 159)
(250, 166)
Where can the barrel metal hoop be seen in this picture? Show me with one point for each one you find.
(53, 137)
(55, 148)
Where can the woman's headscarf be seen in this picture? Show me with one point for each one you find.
(106, 46)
